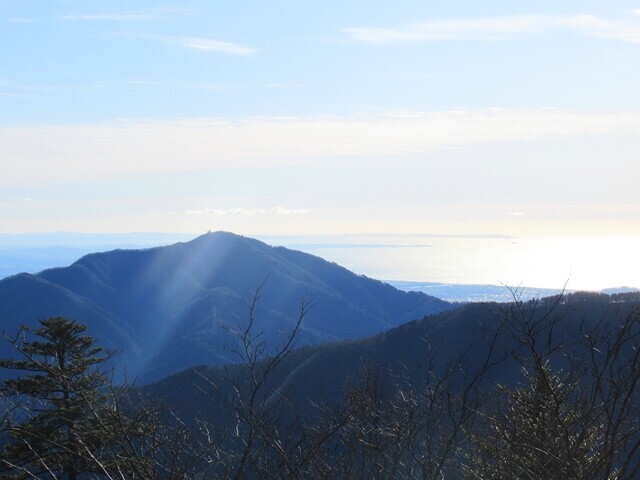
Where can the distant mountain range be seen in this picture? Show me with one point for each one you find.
(169, 308)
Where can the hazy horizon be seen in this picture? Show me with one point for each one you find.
(458, 118)
(550, 263)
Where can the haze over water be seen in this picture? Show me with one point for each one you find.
(456, 268)
(583, 263)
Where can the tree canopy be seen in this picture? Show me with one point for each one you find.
(53, 429)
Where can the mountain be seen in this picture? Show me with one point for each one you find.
(168, 308)
(448, 343)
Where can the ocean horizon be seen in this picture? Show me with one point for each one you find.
(454, 267)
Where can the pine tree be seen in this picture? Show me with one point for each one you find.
(55, 432)
(545, 432)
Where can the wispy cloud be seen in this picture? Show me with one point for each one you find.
(498, 28)
(6, 91)
(21, 20)
(115, 17)
(248, 211)
(97, 85)
(204, 44)
(208, 45)
(71, 152)
(14, 202)
(211, 87)
(26, 91)
(452, 29)
(625, 31)
(283, 85)
(128, 16)
(6, 94)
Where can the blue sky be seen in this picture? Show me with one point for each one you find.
(289, 117)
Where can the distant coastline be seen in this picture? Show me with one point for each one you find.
(437, 265)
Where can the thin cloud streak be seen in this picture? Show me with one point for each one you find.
(212, 87)
(50, 153)
(14, 202)
(115, 17)
(453, 29)
(605, 29)
(498, 28)
(248, 211)
(105, 84)
(21, 20)
(208, 45)
(203, 44)
(12, 95)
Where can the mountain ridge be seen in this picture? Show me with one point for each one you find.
(163, 307)
(317, 375)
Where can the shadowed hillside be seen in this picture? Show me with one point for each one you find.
(449, 343)
(168, 308)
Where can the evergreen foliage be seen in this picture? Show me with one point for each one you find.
(55, 428)
(540, 434)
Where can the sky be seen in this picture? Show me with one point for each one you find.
(281, 118)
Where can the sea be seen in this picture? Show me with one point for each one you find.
(489, 268)
(452, 267)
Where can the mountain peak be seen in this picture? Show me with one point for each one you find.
(168, 308)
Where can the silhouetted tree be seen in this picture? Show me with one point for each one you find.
(576, 415)
(53, 433)
(63, 419)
